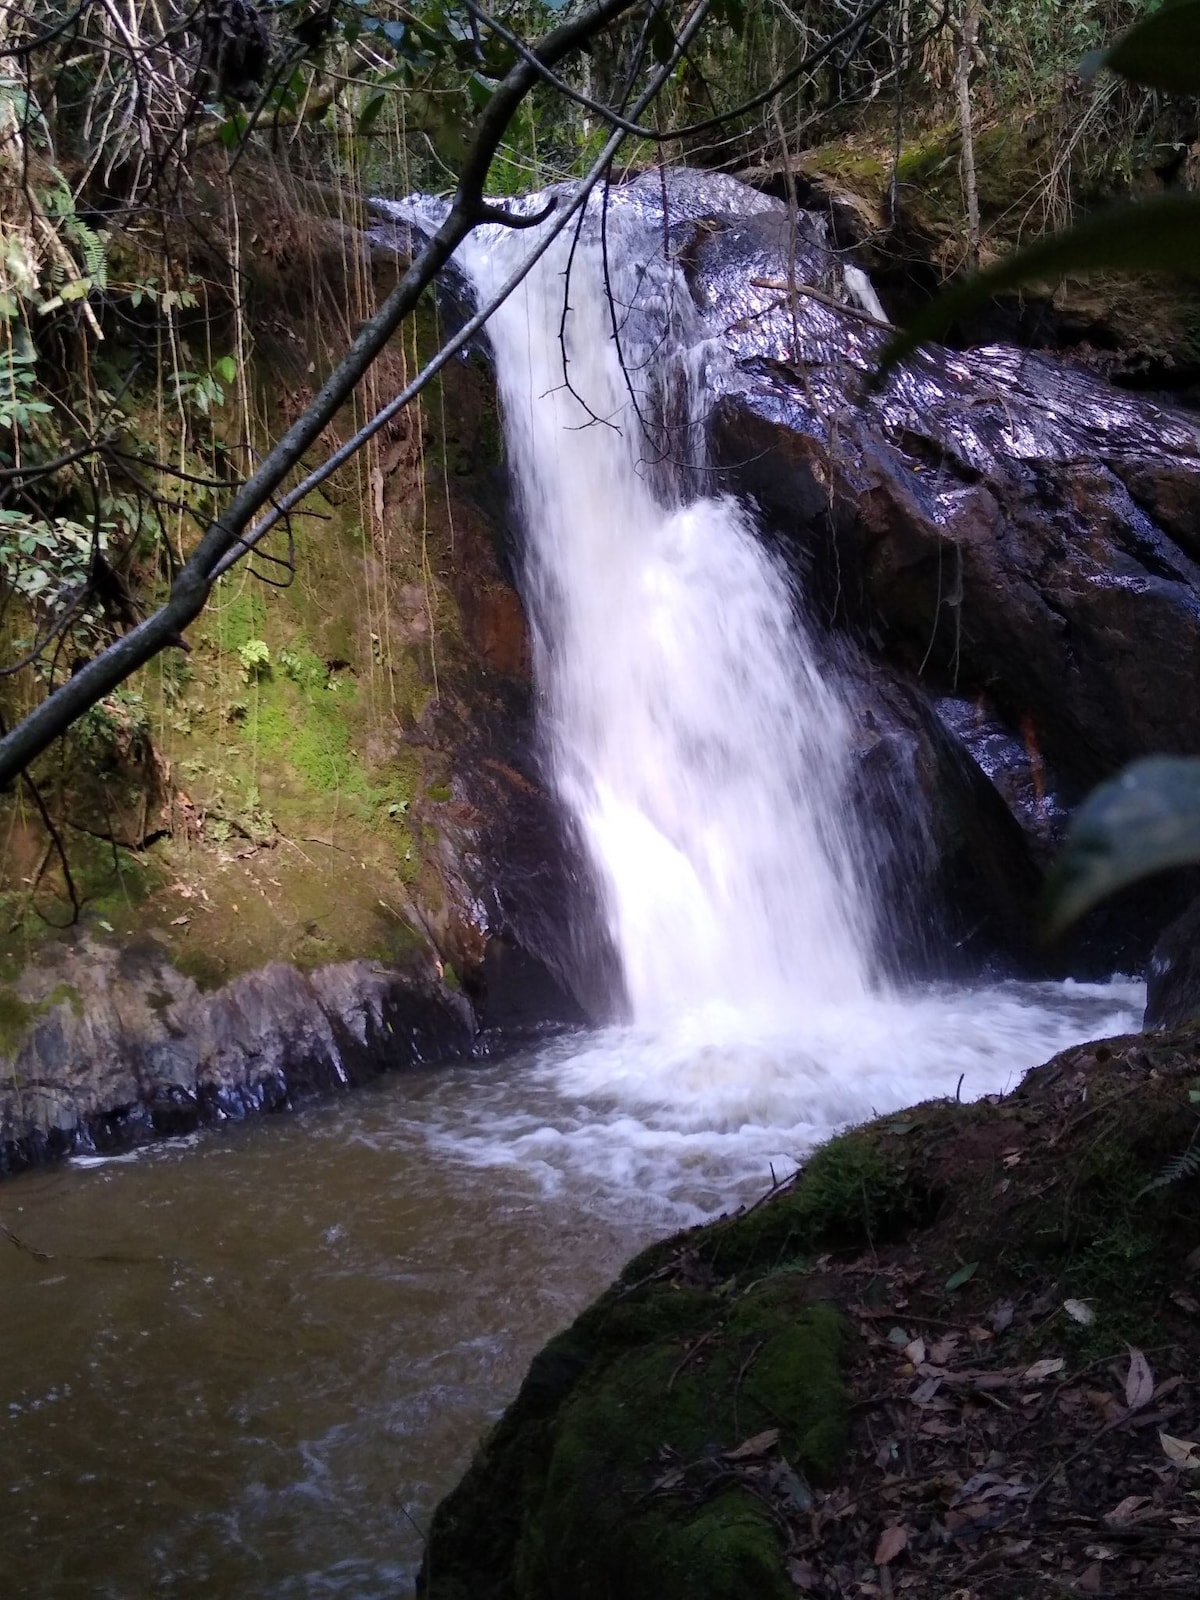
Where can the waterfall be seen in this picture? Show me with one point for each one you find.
(701, 742)
(690, 732)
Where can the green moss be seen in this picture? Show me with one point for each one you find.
(206, 969)
(1114, 1232)
(239, 613)
(17, 1016)
(64, 994)
(850, 1194)
(310, 734)
(610, 1474)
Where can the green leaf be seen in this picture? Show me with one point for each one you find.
(233, 130)
(1162, 51)
(1156, 235)
(963, 1275)
(1143, 821)
(480, 89)
(372, 106)
(226, 368)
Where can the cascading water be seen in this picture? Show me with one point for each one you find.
(704, 754)
(690, 733)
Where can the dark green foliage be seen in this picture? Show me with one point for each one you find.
(1162, 234)
(1146, 820)
(1163, 51)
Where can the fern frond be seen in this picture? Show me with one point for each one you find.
(1177, 1170)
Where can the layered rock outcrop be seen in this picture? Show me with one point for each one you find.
(102, 1045)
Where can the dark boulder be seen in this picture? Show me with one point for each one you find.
(956, 882)
(1000, 523)
(1173, 974)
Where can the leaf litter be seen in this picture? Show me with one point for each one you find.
(998, 1449)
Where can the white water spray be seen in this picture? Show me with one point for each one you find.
(691, 734)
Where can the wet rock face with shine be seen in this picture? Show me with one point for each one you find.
(1173, 974)
(1002, 523)
(1007, 540)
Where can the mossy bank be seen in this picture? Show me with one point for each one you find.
(794, 1398)
(327, 772)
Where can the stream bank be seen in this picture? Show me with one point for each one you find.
(957, 1352)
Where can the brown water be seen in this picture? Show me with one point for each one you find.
(256, 1359)
(255, 1363)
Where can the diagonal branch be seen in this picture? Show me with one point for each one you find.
(194, 581)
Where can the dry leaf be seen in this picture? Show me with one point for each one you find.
(804, 1576)
(1044, 1369)
(1106, 1404)
(924, 1392)
(915, 1351)
(1139, 1381)
(892, 1541)
(937, 1429)
(1126, 1511)
(1079, 1311)
(1001, 1315)
(756, 1446)
(1183, 1452)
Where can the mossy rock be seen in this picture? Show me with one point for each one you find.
(616, 1470)
(612, 1472)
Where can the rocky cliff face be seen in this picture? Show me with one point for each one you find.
(337, 789)
(994, 521)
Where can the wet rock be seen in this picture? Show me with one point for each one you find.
(522, 923)
(1008, 539)
(996, 522)
(957, 881)
(1173, 974)
(101, 1046)
(518, 917)
(1013, 764)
